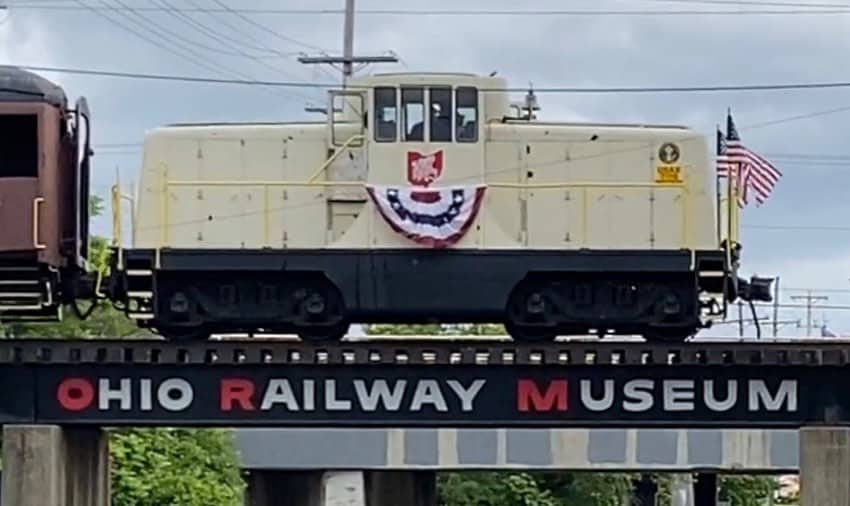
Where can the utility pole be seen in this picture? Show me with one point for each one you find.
(740, 319)
(776, 307)
(809, 298)
(348, 43)
(348, 59)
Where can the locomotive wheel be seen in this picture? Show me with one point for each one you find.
(531, 333)
(193, 333)
(320, 313)
(529, 315)
(322, 333)
(671, 335)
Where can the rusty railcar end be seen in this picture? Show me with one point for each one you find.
(43, 195)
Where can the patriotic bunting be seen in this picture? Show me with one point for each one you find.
(435, 217)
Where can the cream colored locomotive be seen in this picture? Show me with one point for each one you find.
(428, 198)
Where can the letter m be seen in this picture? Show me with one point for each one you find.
(529, 397)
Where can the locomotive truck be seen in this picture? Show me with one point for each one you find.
(426, 197)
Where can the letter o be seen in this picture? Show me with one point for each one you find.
(180, 386)
(75, 394)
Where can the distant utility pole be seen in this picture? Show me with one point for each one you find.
(809, 298)
(348, 59)
(776, 307)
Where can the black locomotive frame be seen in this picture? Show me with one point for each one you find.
(538, 295)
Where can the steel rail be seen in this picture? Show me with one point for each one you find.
(413, 351)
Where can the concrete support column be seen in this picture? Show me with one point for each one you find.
(393, 488)
(825, 466)
(645, 491)
(46, 465)
(705, 489)
(341, 488)
(284, 488)
(681, 490)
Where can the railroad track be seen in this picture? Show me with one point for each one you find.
(421, 350)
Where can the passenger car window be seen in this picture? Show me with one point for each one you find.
(386, 114)
(413, 108)
(441, 114)
(466, 117)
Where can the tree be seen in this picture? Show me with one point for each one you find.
(747, 490)
(493, 489)
(178, 467)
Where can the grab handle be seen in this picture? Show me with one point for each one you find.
(35, 219)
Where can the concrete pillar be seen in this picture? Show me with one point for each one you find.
(681, 490)
(44, 464)
(645, 491)
(343, 489)
(825, 466)
(284, 488)
(394, 488)
(705, 489)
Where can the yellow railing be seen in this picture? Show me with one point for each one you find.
(266, 185)
(345, 145)
(592, 185)
(118, 219)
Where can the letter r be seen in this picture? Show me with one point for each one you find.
(237, 391)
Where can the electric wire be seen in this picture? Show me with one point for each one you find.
(197, 58)
(244, 12)
(550, 89)
(203, 29)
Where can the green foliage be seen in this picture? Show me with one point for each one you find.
(747, 490)
(433, 329)
(177, 467)
(591, 489)
(493, 489)
(533, 489)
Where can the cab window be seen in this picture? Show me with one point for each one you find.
(386, 115)
(466, 116)
(413, 109)
(441, 114)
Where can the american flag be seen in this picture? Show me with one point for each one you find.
(754, 172)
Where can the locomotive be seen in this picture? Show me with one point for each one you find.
(421, 198)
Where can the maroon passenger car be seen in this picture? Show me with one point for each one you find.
(44, 210)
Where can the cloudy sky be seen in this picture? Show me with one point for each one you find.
(802, 234)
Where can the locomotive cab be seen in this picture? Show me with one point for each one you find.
(44, 180)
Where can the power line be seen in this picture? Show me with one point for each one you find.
(467, 12)
(553, 89)
(167, 43)
(756, 3)
(821, 228)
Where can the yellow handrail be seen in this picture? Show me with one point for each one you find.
(332, 158)
(270, 183)
(274, 183)
(266, 184)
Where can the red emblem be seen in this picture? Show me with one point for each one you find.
(422, 170)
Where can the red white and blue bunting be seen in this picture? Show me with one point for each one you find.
(436, 217)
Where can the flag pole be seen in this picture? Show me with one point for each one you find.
(718, 134)
(731, 189)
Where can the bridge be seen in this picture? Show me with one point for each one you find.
(434, 404)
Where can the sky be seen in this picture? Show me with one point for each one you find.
(802, 234)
